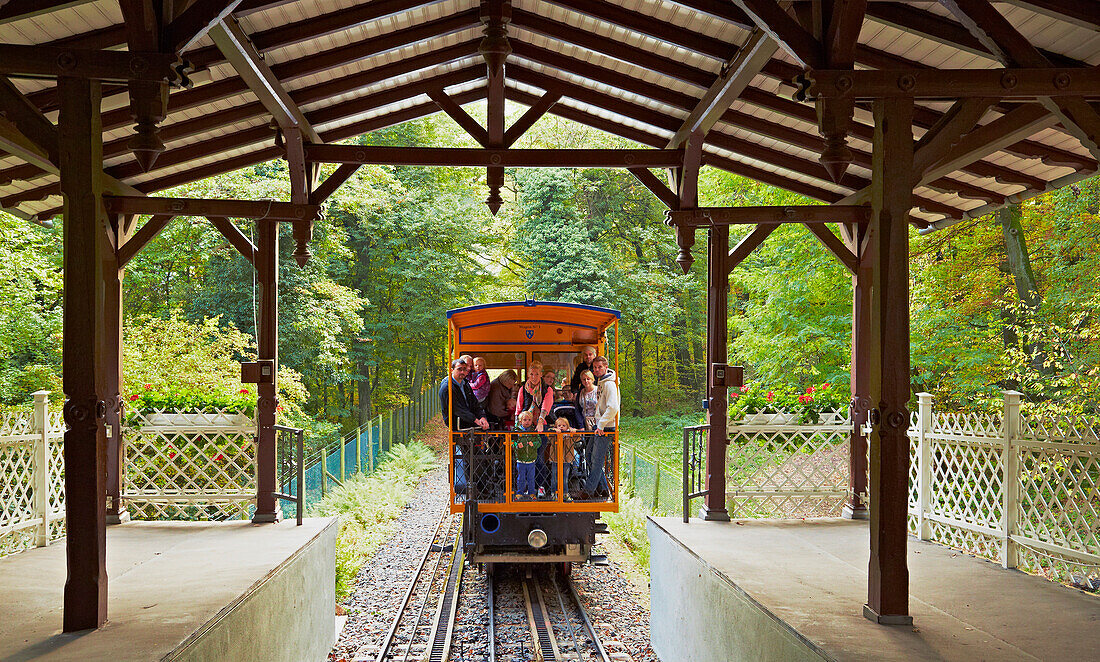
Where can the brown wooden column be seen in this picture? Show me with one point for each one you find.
(267, 281)
(891, 200)
(860, 403)
(110, 360)
(714, 506)
(85, 450)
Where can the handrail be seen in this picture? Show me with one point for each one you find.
(299, 499)
(691, 468)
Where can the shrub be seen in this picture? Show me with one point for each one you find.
(628, 526)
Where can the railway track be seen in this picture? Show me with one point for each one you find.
(424, 624)
(558, 627)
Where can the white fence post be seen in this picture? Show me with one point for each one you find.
(1010, 478)
(41, 480)
(924, 467)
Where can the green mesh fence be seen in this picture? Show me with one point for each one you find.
(656, 485)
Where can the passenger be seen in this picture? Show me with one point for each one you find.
(568, 408)
(501, 391)
(587, 399)
(467, 414)
(549, 378)
(509, 422)
(607, 421)
(534, 396)
(569, 441)
(588, 354)
(479, 380)
(525, 454)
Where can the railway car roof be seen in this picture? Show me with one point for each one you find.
(528, 311)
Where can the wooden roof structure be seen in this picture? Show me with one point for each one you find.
(893, 113)
(647, 70)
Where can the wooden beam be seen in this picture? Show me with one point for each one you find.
(1002, 38)
(268, 210)
(195, 21)
(460, 116)
(689, 173)
(747, 245)
(936, 143)
(322, 193)
(20, 60)
(1008, 83)
(509, 158)
(657, 187)
(249, 65)
(773, 19)
(141, 238)
(714, 503)
(85, 448)
(235, 237)
(889, 388)
(835, 246)
(528, 119)
(732, 80)
(771, 215)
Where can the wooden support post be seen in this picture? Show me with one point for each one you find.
(267, 279)
(111, 374)
(81, 156)
(714, 506)
(891, 199)
(860, 403)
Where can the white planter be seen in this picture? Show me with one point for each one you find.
(206, 419)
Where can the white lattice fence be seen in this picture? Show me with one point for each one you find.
(189, 465)
(777, 468)
(32, 501)
(1025, 492)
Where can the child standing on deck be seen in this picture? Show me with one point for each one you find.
(525, 454)
(569, 441)
(479, 379)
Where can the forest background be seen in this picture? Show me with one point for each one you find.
(1005, 301)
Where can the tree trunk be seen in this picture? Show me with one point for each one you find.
(639, 386)
(1017, 264)
(364, 387)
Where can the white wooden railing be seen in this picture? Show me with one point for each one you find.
(1018, 489)
(32, 497)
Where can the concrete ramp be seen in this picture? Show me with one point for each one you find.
(184, 591)
(763, 590)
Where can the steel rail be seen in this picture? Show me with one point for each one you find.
(384, 649)
(492, 634)
(542, 631)
(443, 626)
(588, 623)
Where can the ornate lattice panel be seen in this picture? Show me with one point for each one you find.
(1059, 495)
(967, 482)
(786, 470)
(32, 488)
(189, 466)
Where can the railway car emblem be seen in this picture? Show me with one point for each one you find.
(530, 333)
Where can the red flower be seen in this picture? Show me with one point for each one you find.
(744, 387)
(278, 407)
(171, 455)
(134, 397)
(771, 396)
(219, 457)
(826, 385)
(735, 394)
(244, 391)
(148, 387)
(810, 389)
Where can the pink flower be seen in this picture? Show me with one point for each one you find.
(771, 396)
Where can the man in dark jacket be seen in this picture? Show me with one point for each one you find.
(468, 412)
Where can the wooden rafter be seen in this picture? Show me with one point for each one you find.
(195, 21)
(991, 28)
(460, 116)
(772, 18)
(322, 193)
(141, 238)
(747, 245)
(657, 187)
(528, 119)
(261, 210)
(512, 158)
(235, 237)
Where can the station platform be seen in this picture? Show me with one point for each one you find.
(183, 591)
(761, 590)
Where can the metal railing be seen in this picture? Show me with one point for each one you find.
(291, 467)
(694, 464)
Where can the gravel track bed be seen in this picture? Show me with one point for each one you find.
(613, 595)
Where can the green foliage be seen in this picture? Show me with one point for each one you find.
(368, 505)
(629, 527)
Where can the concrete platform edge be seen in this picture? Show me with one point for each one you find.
(685, 600)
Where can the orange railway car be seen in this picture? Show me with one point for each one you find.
(557, 525)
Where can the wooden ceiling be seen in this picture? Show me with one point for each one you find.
(651, 71)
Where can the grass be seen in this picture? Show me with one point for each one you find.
(628, 527)
(661, 435)
(368, 507)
